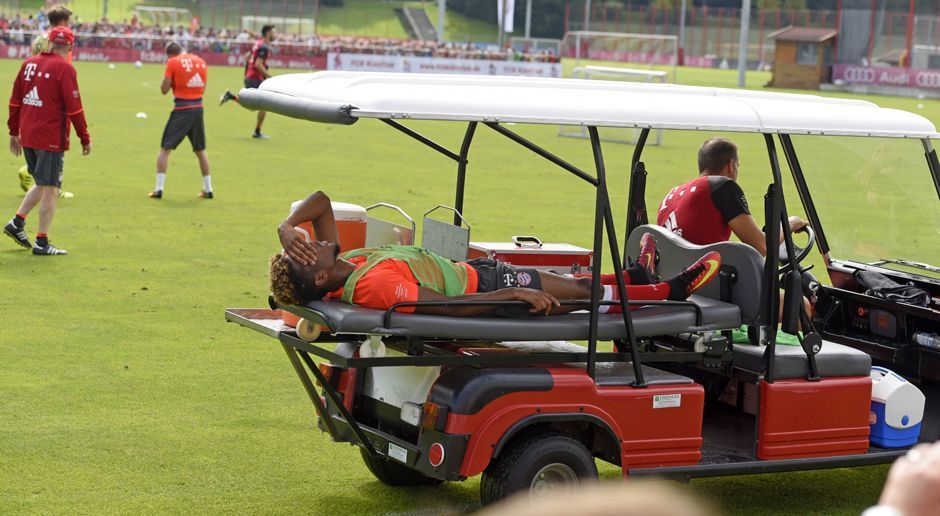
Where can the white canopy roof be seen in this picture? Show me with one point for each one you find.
(315, 96)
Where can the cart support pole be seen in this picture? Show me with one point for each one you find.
(636, 201)
(462, 170)
(604, 202)
(932, 162)
(772, 217)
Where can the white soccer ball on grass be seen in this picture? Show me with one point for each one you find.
(138, 64)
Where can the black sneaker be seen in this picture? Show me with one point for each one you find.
(17, 234)
(156, 194)
(206, 195)
(260, 136)
(48, 250)
(227, 96)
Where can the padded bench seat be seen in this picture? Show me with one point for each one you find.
(648, 321)
(790, 361)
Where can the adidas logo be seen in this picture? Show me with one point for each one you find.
(32, 98)
(196, 82)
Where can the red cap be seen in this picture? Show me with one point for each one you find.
(61, 36)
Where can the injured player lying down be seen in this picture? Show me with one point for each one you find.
(383, 276)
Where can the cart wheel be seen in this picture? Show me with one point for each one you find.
(543, 463)
(307, 330)
(395, 474)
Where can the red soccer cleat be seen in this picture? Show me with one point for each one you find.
(695, 276)
(647, 256)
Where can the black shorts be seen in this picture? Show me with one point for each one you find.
(253, 84)
(183, 123)
(494, 275)
(46, 167)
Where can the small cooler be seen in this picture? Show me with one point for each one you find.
(530, 252)
(897, 409)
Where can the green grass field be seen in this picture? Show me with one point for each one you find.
(123, 391)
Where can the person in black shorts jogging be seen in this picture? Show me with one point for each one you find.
(186, 75)
(256, 71)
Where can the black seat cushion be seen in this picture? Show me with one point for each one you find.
(648, 321)
(791, 362)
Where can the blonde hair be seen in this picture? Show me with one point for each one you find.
(280, 281)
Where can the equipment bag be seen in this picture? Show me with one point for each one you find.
(879, 285)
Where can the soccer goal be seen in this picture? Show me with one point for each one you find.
(536, 45)
(640, 50)
(616, 73)
(157, 15)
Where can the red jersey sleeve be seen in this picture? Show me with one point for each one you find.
(168, 73)
(16, 102)
(73, 104)
(384, 285)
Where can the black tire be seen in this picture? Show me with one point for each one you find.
(395, 474)
(518, 465)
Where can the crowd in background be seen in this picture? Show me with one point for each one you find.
(19, 30)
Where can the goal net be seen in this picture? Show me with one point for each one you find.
(158, 15)
(536, 45)
(617, 73)
(640, 50)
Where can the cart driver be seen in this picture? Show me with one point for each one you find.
(383, 276)
(712, 206)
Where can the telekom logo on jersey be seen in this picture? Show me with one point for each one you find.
(30, 71)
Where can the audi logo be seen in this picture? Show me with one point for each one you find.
(928, 80)
(859, 74)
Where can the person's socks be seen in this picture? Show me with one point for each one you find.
(633, 275)
(257, 130)
(161, 180)
(19, 220)
(658, 292)
(42, 239)
(207, 183)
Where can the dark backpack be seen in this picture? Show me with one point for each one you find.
(879, 285)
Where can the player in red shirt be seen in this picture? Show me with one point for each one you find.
(186, 75)
(711, 207)
(45, 99)
(256, 71)
(58, 16)
(381, 277)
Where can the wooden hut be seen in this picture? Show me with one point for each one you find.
(803, 57)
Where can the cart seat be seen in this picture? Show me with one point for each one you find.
(676, 253)
(791, 362)
(648, 321)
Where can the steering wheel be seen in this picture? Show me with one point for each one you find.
(801, 252)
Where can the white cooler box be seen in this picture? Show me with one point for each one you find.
(530, 252)
(897, 409)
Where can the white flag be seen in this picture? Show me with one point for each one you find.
(510, 9)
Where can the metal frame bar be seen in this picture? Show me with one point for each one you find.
(295, 356)
(605, 217)
(803, 190)
(423, 139)
(542, 152)
(770, 302)
(768, 466)
(632, 212)
(462, 170)
(932, 162)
